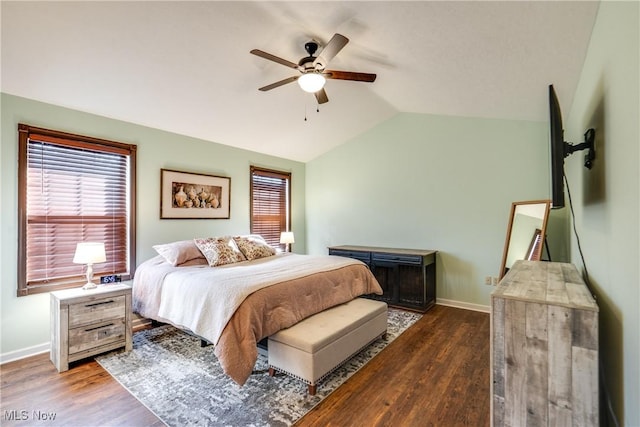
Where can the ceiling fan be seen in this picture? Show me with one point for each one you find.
(313, 72)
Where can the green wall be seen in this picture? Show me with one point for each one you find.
(25, 320)
(433, 182)
(447, 183)
(413, 181)
(606, 199)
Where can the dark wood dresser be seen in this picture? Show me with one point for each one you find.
(407, 276)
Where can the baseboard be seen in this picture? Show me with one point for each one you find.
(465, 305)
(137, 324)
(24, 353)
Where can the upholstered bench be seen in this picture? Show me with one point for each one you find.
(311, 349)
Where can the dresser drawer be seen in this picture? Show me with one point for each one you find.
(362, 256)
(397, 258)
(97, 309)
(96, 335)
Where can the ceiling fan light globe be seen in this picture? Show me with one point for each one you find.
(311, 82)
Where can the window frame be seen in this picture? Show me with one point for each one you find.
(72, 141)
(256, 170)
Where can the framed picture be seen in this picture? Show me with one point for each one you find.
(185, 195)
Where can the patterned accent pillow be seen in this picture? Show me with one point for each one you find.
(219, 250)
(178, 253)
(254, 247)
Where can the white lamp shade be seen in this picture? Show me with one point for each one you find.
(311, 82)
(89, 253)
(287, 237)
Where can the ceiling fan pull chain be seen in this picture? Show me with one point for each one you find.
(305, 112)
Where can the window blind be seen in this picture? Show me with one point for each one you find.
(270, 204)
(74, 191)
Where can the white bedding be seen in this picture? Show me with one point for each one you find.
(203, 299)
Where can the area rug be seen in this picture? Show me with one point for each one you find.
(184, 385)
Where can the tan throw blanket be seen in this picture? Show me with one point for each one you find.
(235, 306)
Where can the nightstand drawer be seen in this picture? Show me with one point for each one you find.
(96, 335)
(97, 309)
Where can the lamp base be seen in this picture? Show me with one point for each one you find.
(89, 285)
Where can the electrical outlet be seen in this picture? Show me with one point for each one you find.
(494, 281)
(487, 280)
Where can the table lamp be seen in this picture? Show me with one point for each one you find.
(287, 238)
(89, 253)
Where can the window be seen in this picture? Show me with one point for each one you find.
(71, 189)
(270, 204)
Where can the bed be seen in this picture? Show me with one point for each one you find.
(236, 303)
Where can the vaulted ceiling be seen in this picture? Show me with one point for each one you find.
(185, 67)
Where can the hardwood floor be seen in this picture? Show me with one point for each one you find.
(434, 374)
(86, 395)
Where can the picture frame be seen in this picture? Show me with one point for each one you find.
(188, 195)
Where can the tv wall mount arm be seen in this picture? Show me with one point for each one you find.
(588, 144)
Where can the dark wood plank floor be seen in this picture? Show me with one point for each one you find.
(436, 373)
(86, 395)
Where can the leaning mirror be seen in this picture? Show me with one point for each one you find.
(525, 232)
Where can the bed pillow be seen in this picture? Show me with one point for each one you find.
(254, 247)
(219, 250)
(177, 253)
(195, 261)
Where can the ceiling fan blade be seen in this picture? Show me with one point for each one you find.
(321, 96)
(278, 84)
(348, 75)
(335, 45)
(274, 58)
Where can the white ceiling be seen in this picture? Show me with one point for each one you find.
(185, 67)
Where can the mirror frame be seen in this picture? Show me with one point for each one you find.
(535, 248)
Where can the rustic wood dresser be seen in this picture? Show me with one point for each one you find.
(544, 347)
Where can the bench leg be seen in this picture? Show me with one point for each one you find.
(272, 372)
(312, 389)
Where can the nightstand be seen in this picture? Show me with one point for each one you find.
(89, 322)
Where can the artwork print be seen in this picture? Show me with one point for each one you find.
(194, 196)
(189, 195)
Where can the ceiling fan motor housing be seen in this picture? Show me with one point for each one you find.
(307, 63)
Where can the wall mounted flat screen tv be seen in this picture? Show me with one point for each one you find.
(559, 149)
(556, 141)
